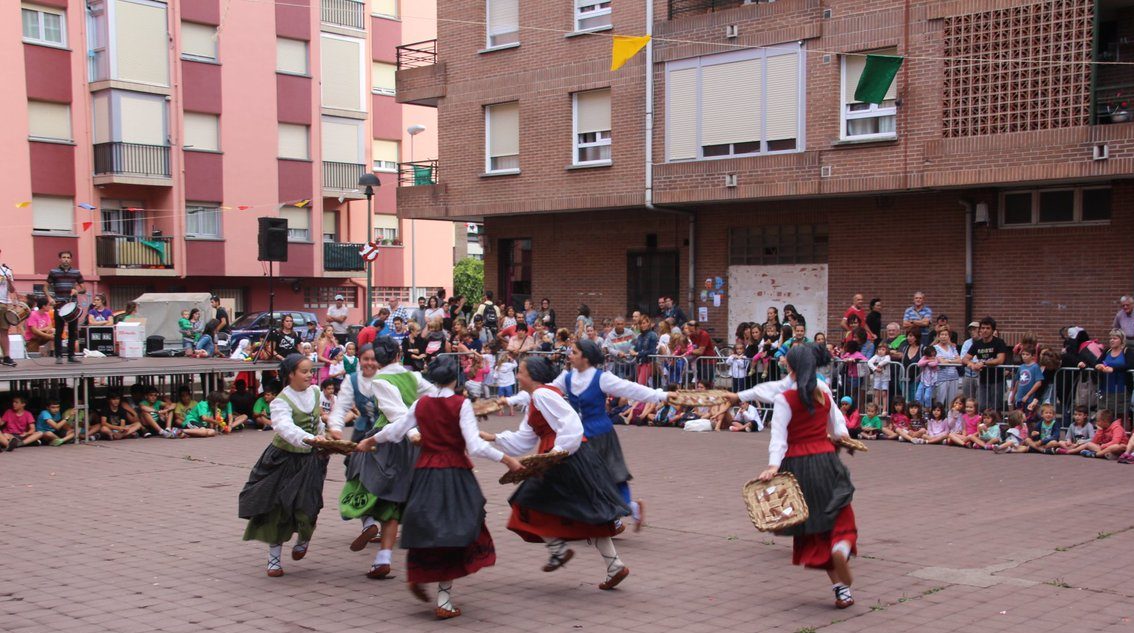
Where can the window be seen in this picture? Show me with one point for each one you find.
(860, 120)
(129, 117)
(330, 226)
(44, 26)
(315, 297)
(342, 142)
(383, 294)
(385, 234)
(382, 78)
(1055, 206)
(592, 15)
(384, 8)
(198, 41)
(298, 223)
(341, 65)
(502, 133)
(141, 42)
(51, 214)
(789, 244)
(294, 142)
(49, 120)
(385, 155)
(592, 127)
(202, 220)
(121, 217)
(202, 132)
(503, 21)
(385, 227)
(291, 56)
(735, 104)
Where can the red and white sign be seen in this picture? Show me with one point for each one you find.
(369, 252)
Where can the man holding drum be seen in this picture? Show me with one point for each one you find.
(66, 284)
(7, 295)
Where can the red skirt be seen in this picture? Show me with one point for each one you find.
(537, 527)
(814, 550)
(437, 564)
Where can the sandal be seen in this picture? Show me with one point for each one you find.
(612, 581)
(366, 536)
(299, 551)
(378, 572)
(555, 562)
(446, 614)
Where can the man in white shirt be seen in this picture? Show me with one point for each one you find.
(337, 318)
(7, 296)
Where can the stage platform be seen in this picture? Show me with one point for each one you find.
(113, 366)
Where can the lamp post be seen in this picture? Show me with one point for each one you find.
(413, 131)
(368, 182)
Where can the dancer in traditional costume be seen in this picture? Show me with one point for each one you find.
(803, 416)
(443, 523)
(378, 482)
(284, 492)
(575, 499)
(586, 387)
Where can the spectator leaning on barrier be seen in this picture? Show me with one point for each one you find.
(920, 317)
(1124, 320)
(874, 318)
(855, 310)
(969, 380)
(987, 352)
(619, 345)
(702, 345)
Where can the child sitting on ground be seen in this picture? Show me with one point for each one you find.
(75, 417)
(1017, 435)
(327, 402)
(970, 426)
(19, 423)
(871, 423)
(116, 421)
(160, 413)
(261, 411)
(1080, 432)
(916, 433)
(56, 431)
(1109, 441)
(899, 422)
(1045, 437)
(937, 427)
(748, 418)
(851, 415)
(184, 402)
(989, 432)
(954, 415)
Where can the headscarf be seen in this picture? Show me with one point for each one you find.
(386, 350)
(241, 351)
(801, 359)
(540, 369)
(442, 371)
(591, 351)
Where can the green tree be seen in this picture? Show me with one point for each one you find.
(468, 279)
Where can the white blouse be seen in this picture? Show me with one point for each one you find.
(610, 384)
(560, 417)
(772, 393)
(386, 395)
(282, 422)
(396, 430)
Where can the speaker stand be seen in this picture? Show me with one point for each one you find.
(271, 314)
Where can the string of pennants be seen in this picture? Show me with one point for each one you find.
(86, 206)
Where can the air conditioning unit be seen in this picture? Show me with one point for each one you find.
(825, 171)
(1101, 151)
(731, 31)
(730, 180)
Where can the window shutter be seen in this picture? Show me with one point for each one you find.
(143, 119)
(50, 213)
(783, 97)
(202, 131)
(386, 151)
(291, 56)
(854, 65)
(681, 114)
(297, 219)
(293, 141)
(330, 223)
(731, 102)
(142, 50)
(503, 16)
(382, 76)
(342, 140)
(198, 40)
(384, 7)
(592, 111)
(342, 74)
(49, 120)
(504, 129)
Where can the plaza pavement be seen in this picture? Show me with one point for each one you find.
(142, 536)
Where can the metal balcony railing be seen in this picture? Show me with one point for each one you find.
(418, 173)
(348, 13)
(128, 251)
(679, 8)
(417, 54)
(341, 175)
(131, 159)
(342, 257)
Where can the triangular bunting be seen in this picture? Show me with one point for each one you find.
(623, 47)
(876, 78)
(87, 225)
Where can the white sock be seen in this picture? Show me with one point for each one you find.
(383, 557)
(556, 547)
(444, 599)
(367, 522)
(274, 552)
(842, 547)
(635, 510)
(605, 547)
(301, 546)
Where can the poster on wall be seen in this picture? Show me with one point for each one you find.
(754, 289)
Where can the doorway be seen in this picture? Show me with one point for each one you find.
(650, 274)
(515, 265)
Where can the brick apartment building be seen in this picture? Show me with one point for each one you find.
(148, 136)
(995, 177)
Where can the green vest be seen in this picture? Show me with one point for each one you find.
(406, 384)
(306, 420)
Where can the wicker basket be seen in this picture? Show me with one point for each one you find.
(850, 444)
(342, 447)
(707, 398)
(482, 408)
(533, 466)
(775, 505)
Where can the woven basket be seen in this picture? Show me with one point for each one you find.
(850, 444)
(707, 398)
(342, 447)
(533, 466)
(482, 408)
(775, 505)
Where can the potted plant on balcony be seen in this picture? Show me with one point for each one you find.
(397, 243)
(1116, 109)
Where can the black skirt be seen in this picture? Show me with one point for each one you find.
(609, 451)
(827, 488)
(284, 482)
(578, 488)
(445, 508)
(386, 472)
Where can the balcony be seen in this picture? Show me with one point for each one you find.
(420, 78)
(682, 8)
(342, 178)
(341, 257)
(349, 14)
(131, 163)
(418, 173)
(132, 255)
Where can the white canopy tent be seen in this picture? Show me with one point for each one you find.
(161, 310)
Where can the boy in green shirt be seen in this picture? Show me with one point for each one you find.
(261, 411)
(871, 422)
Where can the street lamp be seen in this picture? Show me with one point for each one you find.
(413, 131)
(368, 182)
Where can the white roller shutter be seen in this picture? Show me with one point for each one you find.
(293, 142)
(503, 21)
(198, 40)
(382, 77)
(783, 97)
(341, 66)
(142, 46)
(731, 102)
(51, 213)
(681, 114)
(142, 118)
(342, 140)
(49, 120)
(202, 131)
(504, 129)
(592, 111)
(291, 56)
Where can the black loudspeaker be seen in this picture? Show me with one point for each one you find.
(154, 343)
(272, 240)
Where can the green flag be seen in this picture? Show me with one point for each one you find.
(876, 78)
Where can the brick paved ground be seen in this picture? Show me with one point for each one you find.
(143, 536)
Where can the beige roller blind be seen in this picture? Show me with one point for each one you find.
(291, 56)
(296, 218)
(330, 223)
(342, 73)
(783, 97)
(142, 46)
(592, 111)
(342, 140)
(293, 141)
(142, 119)
(384, 7)
(100, 113)
(504, 129)
(386, 151)
(852, 73)
(49, 120)
(385, 221)
(202, 131)
(503, 17)
(51, 213)
(198, 40)
(382, 77)
(681, 114)
(731, 102)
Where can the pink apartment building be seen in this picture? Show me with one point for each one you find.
(148, 136)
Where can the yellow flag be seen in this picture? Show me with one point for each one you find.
(624, 47)
(23, 205)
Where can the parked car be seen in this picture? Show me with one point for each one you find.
(254, 326)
